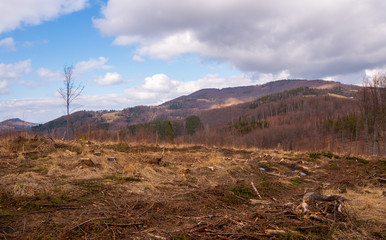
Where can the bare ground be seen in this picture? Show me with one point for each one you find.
(183, 192)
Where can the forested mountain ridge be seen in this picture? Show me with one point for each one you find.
(290, 114)
(193, 104)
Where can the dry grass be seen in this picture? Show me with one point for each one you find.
(368, 203)
(27, 184)
(194, 192)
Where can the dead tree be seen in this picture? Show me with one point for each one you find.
(69, 92)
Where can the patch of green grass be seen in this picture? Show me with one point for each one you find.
(314, 156)
(332, 164)
(357, 159)
(295, 181)
(242, 191)
(329, 154)
(362, 160)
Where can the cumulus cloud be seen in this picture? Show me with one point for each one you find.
(110, 79)
(91, 64)
(329, 38)
(15, 70)
(171, 46)
(25, 12)
(8, 44)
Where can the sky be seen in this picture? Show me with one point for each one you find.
(134, 52)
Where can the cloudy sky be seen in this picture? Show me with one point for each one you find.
(129, 53)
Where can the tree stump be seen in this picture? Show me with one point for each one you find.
(85, 162)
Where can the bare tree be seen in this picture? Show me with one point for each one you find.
(373, 101)
(69, 92)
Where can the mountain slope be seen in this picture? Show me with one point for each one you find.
(216, 98)
(197, 103)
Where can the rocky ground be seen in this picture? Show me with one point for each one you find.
(53, 189)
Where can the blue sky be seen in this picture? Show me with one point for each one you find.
(129, 53)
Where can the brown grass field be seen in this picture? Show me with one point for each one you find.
(183, 192)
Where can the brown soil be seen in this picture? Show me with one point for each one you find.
(182, 192)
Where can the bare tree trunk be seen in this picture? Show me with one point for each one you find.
(384, 142)
(342, 136)
(356, 134)
(68, 121)
(367, 136)
(374, 138)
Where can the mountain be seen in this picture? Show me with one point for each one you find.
(214, 108)
(216, 98)
(15, 124)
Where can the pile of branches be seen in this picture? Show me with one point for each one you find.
(324, 208)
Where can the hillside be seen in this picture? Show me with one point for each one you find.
(196, 103)
(185, 192)
(15, 124)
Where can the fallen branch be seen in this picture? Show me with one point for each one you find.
(254, 188)
(124, 224)
(90, 220)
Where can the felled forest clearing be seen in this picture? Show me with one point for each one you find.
(52, 189)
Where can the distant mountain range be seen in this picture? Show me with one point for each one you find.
(214, 107)
(15, 124)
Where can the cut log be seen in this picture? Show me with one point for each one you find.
(274, 232)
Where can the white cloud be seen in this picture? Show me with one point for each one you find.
(110, 79)
(269, 77)
(172, 46)
(8, 44)
(91, 64)
(4, 87)
(331, 38)
(15, 70)
(138, 58)
(17, 13)
(126, 40)
(369, 73)
(159, 83)
(47, 73)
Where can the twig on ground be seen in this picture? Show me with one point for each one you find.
(90, 220)
(254, 188)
